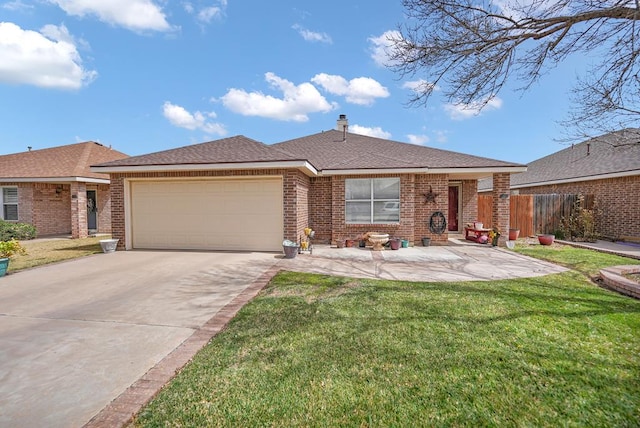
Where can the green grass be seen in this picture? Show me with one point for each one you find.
(42, 252)
(322, 351)
(588, 262)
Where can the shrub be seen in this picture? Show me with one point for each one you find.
(581, 224)
(9, 248)
(19, 231)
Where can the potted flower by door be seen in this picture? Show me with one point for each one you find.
(7, 250)
(513, 234)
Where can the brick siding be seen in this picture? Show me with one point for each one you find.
(319, 203)
(501, 208)
(616, 199)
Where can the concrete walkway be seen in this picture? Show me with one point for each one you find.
(423, 264)
(626, 249)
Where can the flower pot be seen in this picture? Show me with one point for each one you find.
(513, 234)
(349, 243)
(426, 242)
(290, 251)
(546, 239)
(362, 243)
(405, 243)
(4, 265)
(339, 243)
(108, 245)
(394, 244)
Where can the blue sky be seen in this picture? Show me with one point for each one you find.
(149, 75)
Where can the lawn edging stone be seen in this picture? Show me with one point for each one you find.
(613, 277)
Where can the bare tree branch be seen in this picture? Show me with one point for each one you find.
(471, 48)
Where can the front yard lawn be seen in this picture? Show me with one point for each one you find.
(41, 252)
(316, 350)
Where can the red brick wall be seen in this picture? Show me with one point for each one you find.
(319, 203)
(51, 211)
(438, 184)
(103, 195)
(320, 208)
(501, 209)
(79, 210)
(617, 201)
(469, 202)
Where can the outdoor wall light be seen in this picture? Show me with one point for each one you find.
(59, 189)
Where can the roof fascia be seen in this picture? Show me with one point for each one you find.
(54, 180)
(487, 170)
(578, 179)
(304, 166)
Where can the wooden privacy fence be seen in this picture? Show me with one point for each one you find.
(534, 214)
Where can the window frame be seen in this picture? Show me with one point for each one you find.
(372, 201)
(4, 203)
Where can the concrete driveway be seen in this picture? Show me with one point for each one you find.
(75, 335)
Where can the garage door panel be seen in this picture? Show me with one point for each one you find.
(243, 214)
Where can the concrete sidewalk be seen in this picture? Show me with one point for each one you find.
(626, 249)
(422, 264)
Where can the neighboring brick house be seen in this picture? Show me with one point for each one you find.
(607, 167)
(240, 194)
(54, 189)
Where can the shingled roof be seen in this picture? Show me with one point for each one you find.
(322, 152)
(330, 150)
(614, 153)
(71, 161)
(238, 149)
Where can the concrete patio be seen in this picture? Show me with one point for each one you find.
(455, 262)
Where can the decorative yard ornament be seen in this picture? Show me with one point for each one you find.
(430, 196)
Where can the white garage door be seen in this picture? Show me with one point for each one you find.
(229, 214)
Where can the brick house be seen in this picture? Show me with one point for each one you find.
(607, 167)
(54, 190)
(240, 194)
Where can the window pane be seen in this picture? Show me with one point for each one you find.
(10, 195)
(11, 212)
(386, 212)
(386, 188)
(358, 212)
(357, 188)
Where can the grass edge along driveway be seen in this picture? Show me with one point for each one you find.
(315, 350)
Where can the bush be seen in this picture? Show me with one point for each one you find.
(581, 224)
(19, 231)
(10, 248)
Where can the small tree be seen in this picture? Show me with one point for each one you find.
(581, 224)
(469, 49)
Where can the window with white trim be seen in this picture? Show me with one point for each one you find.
(372, 200)
(9, 203)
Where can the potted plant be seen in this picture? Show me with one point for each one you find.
(513, 234)
(546, 239)
(426, 241)
(394, 243)
(494, 236)
(7, 250)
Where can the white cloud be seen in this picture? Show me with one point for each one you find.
(441, 136)
(136, 15)
(180, 117)
(208, 13)
(420, 85)
(418, 139)
(371, 132)
(47, 59)
(297, 102)
(382, 47)
(361, 90)
(16, 5)
(311, 36)
(461, 111)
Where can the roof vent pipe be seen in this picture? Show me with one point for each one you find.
(588, 148)
(343, 125)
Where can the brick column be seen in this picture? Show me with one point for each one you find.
(79, 210)
(500, 212)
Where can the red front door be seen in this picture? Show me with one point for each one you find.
(453, 208)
